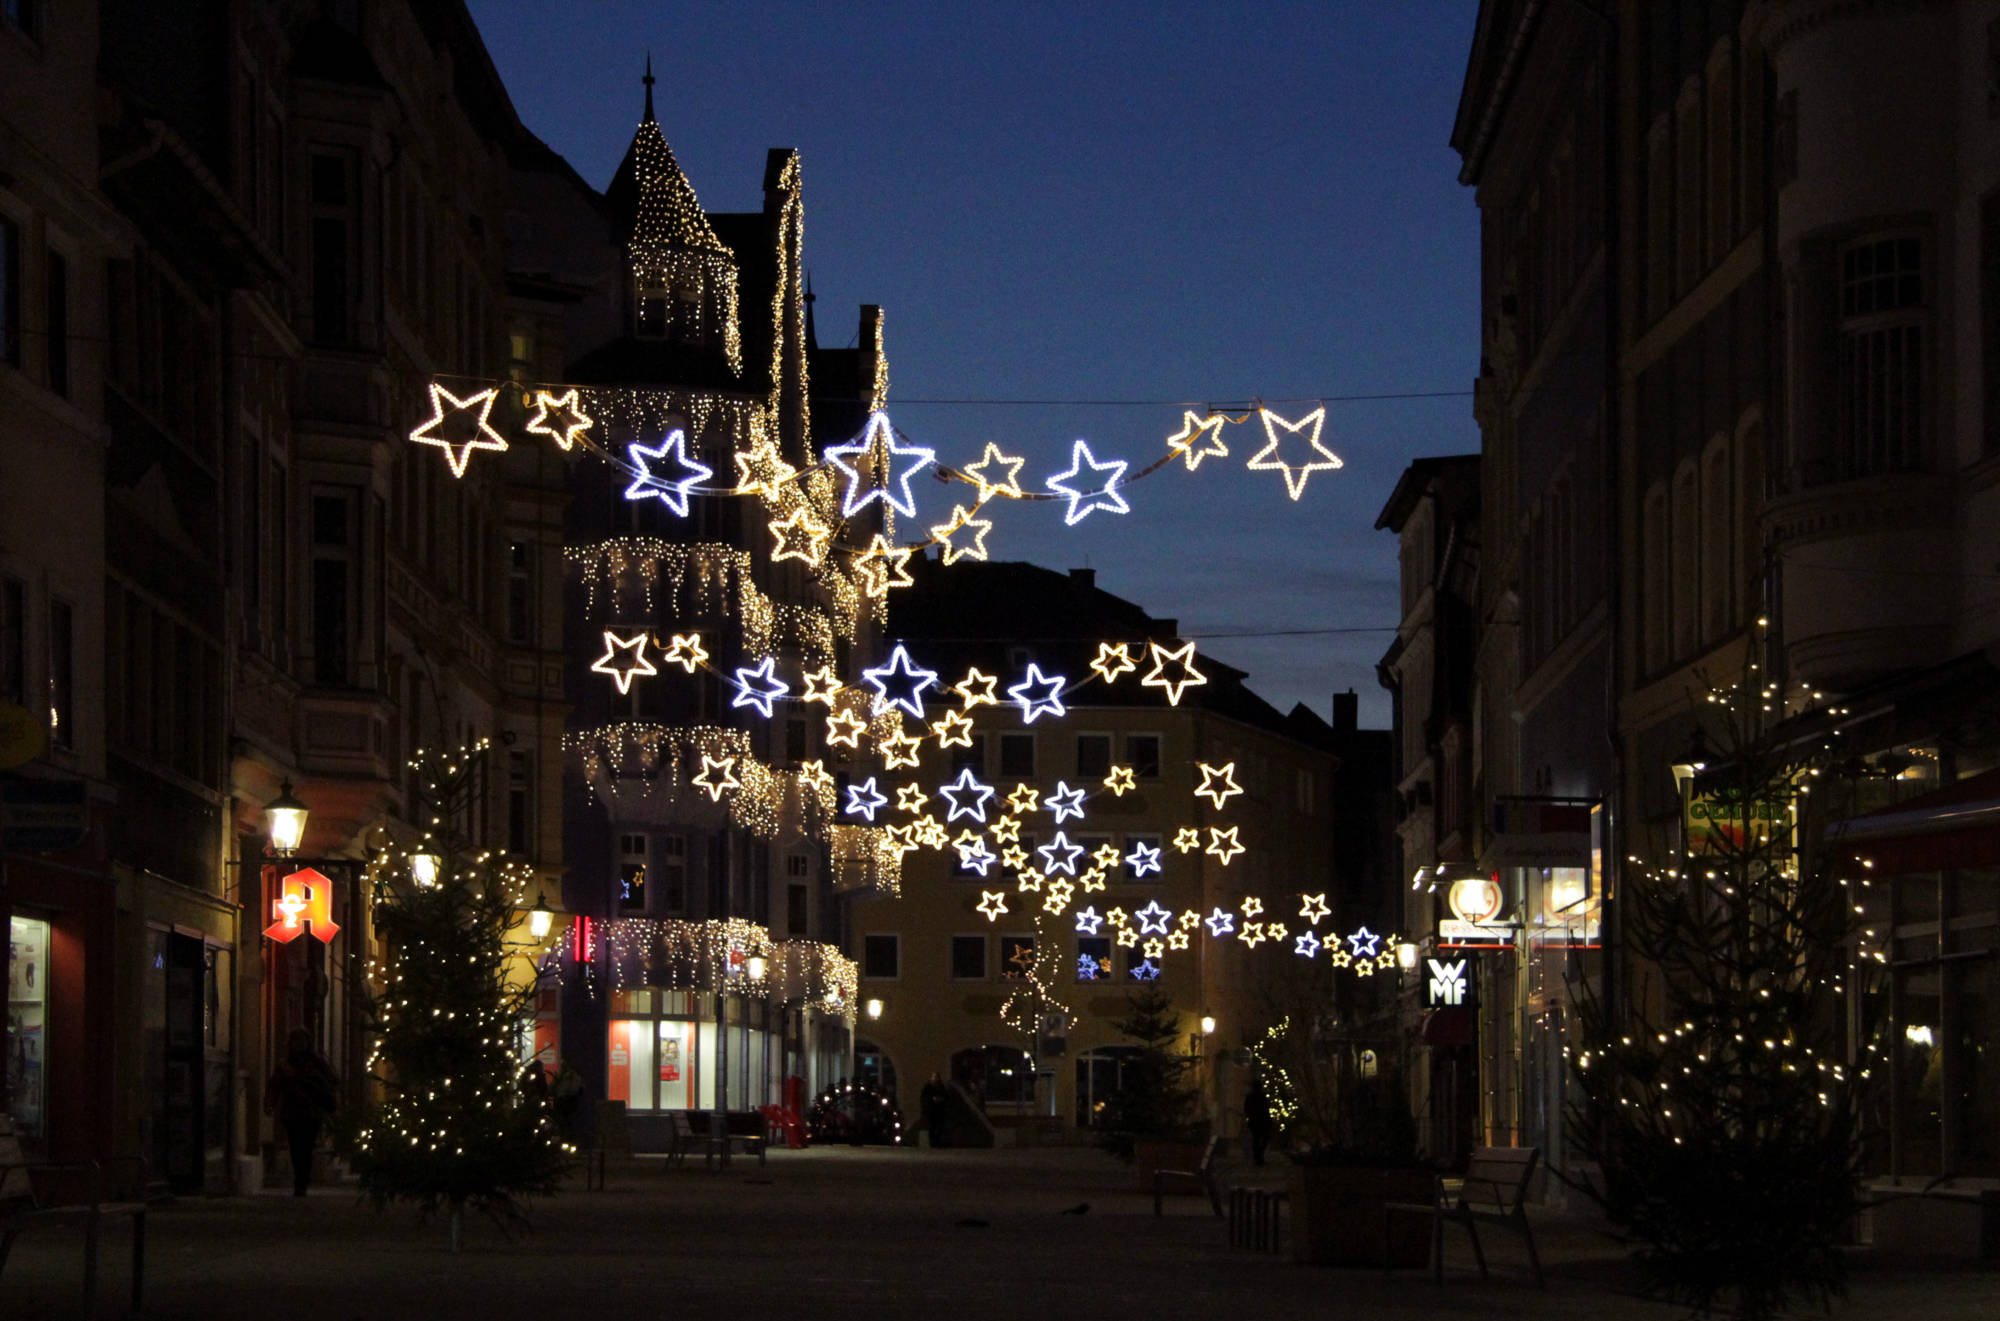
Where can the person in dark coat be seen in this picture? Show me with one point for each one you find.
(1257, 1119)
(933, 1101)
(301, 1095)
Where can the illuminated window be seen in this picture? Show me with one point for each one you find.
(632, 874)
(27, 1027)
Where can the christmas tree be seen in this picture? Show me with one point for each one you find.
(455, 1128)
(1718, 1106)
(1155, 1099)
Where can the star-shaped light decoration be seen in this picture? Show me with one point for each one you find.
(1198, 438)
(1179, 939)
(1153, 919)
(1187, 839)
(973, 853)
(1120, 781)
(953, 730)
(1038, 694)
(887, 479)
(1060, 847)
(1100, 491)
(1025, 798)
(1029, 881)
(1144, 860)
(976, 689)
(1266, 459)
(967, 796)
(900, 751)
(1307, 945)
(1146, 972)
(718, 776)
(1086, 966)
(1387, 958)
(1221, 922)
(559, 417)
(1007, 829)
(1013, 857)
(993, 461)
(1064, 802)
(844, 729)
(761, 470)
(1252, 934)
(1088, 920)
(1218, 783)
(883, 566)
(653, 463)
(1156, 948)
(993, 903)
(1113, 659)
(624, 659)
(800, 537)
(1106, 855)
(1365, 968)
(1190, 919)
(814, 778)
(820, 685)
(1128, 937)
(1252, 905)
(911, 798)
(1092, 880)
(687, 652)
(1363, 943)
(1275, 931)
(931, 831)
(1339, 958)
(1182, 658)
(903, 838)
(1116, 917)
(758, 687)
(1058, 897)
(455, 428)
(1314, 909)
(864, 799)
(907, 679)
(972, 547)
(1222, 845)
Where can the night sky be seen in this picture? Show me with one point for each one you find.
(1101, 202)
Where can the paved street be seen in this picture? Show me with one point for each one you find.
(847, 1234)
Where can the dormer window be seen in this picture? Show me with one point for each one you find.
(687, 313)
(653, 313)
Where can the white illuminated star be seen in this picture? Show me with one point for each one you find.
(650, 483)
(1101, 492)
(893, 486)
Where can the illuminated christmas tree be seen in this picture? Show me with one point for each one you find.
(455, 1127)
(1155, 1099)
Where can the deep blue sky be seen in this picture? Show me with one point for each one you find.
(1101, 202)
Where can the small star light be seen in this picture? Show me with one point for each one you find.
(1095, 495)
(671, 453)
(993, 461)
(477, 432)
(967, 796)
(1183, 657)
(1113, 659)
(1314, 910)
(1064, 802)
(1365, 968)
(559, 417)
(864, 799)
(1007, 829)
(883, 566)
(1046, 702)
(1363, 943)
(1120, 781)
(976, 689)
(1060, 845)
(1014, 857)
(993, 903)
(814, 776)
(1340, 958)
(1153, 919)
(1187, 839)
(715, 784)
(1092, 880)
(1156, 948)
(961, 520)
(1128, 938)
(1088, 920)
(1086, 964)
(973, 853)
(899, 751)
(1252, 934)
(1189, 442)
(1222, 844)
(1190, 919)
(908, 678)
(1144, 860)
(1105, 856)
(1218, 783)
(1029, 881)
(1276, 932)
(1307, 945)
(687, 652)
(1387, 958)
(820, 685)
(902, 838)
(761, 470)
(1146, 972)
(1221, 922)
(1025, 798)
(911, 798)
(861, 490)
(623, 672)
(1116, 917)
(1295, 475)
(953, 729)
(1179, 939)
(843, 729)
(931, 831)
(800, 537)
(758, 687)
(1252, 905)
(1059, 895)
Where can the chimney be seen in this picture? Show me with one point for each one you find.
(1346, 712)
(1083, 577)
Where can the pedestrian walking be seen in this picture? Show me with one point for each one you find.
(301, 1095)
(1257, 1119)
(933, 1101)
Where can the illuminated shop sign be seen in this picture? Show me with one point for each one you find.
(304, 903)
(1448, 982)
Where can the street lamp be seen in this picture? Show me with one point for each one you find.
(424, 866)
(285, 822)
(754, 965)
(873, 1009)
(540, 919)
(1208, 1025)
(1406, 956)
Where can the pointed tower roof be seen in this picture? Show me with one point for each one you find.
(652, 199)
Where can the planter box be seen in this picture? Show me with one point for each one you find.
(1337, 1216)
(1151, 1154)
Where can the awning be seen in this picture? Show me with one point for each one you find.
(1949, 828)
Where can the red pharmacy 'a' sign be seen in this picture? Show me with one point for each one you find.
(305, 900)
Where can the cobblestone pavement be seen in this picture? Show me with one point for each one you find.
(844, 1233)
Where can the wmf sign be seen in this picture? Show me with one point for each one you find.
(1450, 983)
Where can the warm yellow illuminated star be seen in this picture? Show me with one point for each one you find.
(1119, 781)
(1117, 917)
(1314, 909)
(1182, 656)
(1187, 839)
(1128, 937)
(883, 566)
(814, 778)
(932, 832)
(633, 664)
(1252, 905)
(994, 459)
(1007, 829)
(953, 730)
(1013, 857)
(1218, 783)
(800, 537)
(1179, 939)
(900, 751)
(1189, 443)
(911, 798)
(976, 689)
(1275, 932)
(559, 417)
(1113, 659)
(1059, 894)
(1106, 856)
(820, 685)
(687, 652)
(1155, 948)
(1251, 934)
(716, 785)
(1365, 968)
(1024, 799)
(993, 903)
(974, 546)
(761, 470)
(1222, 844)
(1266, 459)
(1340, 958)
(1092, 879)
(902, 838)
(1029, 880)
(1190, 919)
(843, 729)
(474, 432)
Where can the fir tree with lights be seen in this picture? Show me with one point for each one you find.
(1719, 1107)
(1155, 1099)
(455, 1128)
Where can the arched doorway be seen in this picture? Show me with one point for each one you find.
(873, 1066)
(1100, 1073)
(995, 1076)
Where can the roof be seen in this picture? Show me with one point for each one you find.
(651, 200)
(1499, 39)
(1415, 483)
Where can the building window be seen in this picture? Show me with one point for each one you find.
(631, 873)
(62, 675)
(333, 563)
(521, 593)
(13, 640)
(1017, 756)
(1880, 359)
(881, 956)
(10, 292)
(1097, 949)
(1142, 754)
(661, 1051)
(331, 233)
(669, 877)
(56, 276)
(972, 758)
(968, 958)
(1093, 756)
(1017, 955)
(520, 803)
(27, 1066)
(798, 910)
(652, 313)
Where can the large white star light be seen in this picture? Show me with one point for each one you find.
(1088, 921)
(1144, 860)
(1153, 919)
(893, 478)
(473, 430)
(865, 800)
(1038, 695)
(967, 796)
(1068, 851)
(652, 483)
(1266, 459)
(1097, 494)
(1363, 943)
(908, 678)
(624, 659)
(757, 686)
(1064, 802)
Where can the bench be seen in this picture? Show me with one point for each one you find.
(1254, 1216)
(745, 1130)
(1494, 1188)
(1202, 1176)
(29, 1198)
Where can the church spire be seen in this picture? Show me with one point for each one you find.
(648, 80)
(812, 337)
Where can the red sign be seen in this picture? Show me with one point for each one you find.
(305, 900)
(583, 940)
